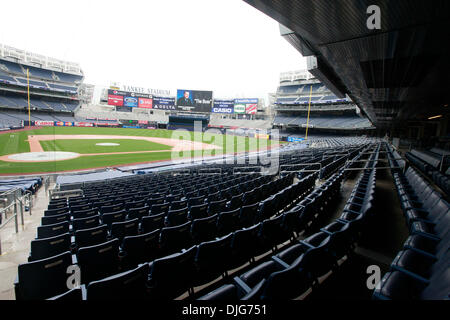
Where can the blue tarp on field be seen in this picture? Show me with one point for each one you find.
(24, 184)
(89, 177)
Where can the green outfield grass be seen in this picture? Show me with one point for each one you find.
(89, 146)
(15, 142)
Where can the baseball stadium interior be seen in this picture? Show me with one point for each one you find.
(352, 204)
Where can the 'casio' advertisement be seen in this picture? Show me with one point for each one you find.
(223, 106)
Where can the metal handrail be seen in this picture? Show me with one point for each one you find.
(17, 201)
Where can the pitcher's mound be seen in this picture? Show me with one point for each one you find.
(42, 156)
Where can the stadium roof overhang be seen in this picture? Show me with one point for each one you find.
(398, 73)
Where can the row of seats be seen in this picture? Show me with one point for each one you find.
(440, 179)
(421, 269)
(126, 254)
(92, 260)
(83, 212)
(96, 228)
(293, 271)
(152, 191)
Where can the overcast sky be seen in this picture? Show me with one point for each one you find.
(225, 46)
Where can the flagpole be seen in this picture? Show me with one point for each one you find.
(28, 87)
(309, 109)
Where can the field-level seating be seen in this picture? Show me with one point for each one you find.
(421, 269)
(291, 272)
(212, 237)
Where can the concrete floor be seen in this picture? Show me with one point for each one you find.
(16, 246)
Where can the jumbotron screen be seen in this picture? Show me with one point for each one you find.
(129, 99)
(193, 100)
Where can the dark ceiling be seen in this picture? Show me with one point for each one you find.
(397, 74)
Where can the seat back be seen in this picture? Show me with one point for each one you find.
(176, 217)
(213, 258)
(151, 223)
(204, 229)
(86, 223)
(54, 212)
(112, 208)
(98, 261)
(217, 206)
(49, 247)
(159, 208)
(198, 211)
(89, 237)
(84, 213)
(55, 219)
(138, 213)
(172, 275)
(248, 215)
(173, 239)
(176, 205)
(228, 222)
(52, 230)
(120, 230)
(109, 218)
(140, 248)
(128, 285)
(44, 278)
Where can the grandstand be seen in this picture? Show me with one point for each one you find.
(91, 112)
(357, 209)
(300, 90)
(53, 87)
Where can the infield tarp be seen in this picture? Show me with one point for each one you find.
(90, 177)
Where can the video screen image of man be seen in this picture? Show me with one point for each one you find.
(185, 100)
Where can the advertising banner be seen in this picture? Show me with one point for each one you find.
(294, 139)
(83, 124)
(44, 123)
(193, 100)
(223, 106)
(105, 124)
(248, 106)
(261, 136)
(121, 98)
(239, 108)
(131, 102)
(145, 103)
(163, 103)
(143, 121)
(251, 108)
(115, 100)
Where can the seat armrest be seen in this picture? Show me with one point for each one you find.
(307, 244)
(74, 259)
(83, 292)
(241, 285)
(280, 262)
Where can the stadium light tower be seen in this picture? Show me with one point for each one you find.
(309, 109)
(28, 90)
